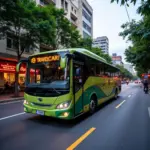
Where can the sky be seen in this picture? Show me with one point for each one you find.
(107, 20)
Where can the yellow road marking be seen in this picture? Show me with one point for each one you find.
(78, 141)
(120, 104)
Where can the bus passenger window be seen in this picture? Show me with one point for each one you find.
(93, 71)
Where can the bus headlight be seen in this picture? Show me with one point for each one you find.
(26, 102)
(63, 105)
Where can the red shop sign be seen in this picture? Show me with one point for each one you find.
(7, 67)
(11, 68)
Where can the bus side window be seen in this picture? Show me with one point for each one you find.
(93, 71)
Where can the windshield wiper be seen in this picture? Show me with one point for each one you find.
(55, 90)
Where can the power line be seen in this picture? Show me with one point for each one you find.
(127, 12)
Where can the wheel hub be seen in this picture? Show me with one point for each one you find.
(92, 104)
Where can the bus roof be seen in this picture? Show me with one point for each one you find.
(79, 50)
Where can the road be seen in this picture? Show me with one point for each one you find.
(122, 124)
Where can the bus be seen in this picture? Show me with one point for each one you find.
(67, 83)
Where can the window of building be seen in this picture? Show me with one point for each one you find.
(86, 15)
(62, 3)
(9, 43)
(66, 6)
(15, 44)
(84, 6)
(43, 2)
(85, 26)
(72, 8)
(75, 11)
(85, 35)
(9, 77)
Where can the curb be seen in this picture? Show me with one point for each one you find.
(12, 100)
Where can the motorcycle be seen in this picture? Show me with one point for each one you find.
(146, 90)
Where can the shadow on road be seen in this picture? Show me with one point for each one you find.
(54, 122)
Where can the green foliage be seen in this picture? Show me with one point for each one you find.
(139, 34)
(66, 34)
(87, 44)
(31, 25)
(99, 52)
(41, 25)
(123, 2)
(124, 72)
(139, 53)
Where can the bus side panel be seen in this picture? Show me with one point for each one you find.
(98, 86)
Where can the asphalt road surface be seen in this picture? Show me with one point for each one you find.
(122, 124)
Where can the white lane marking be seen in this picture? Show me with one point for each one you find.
(129, 96)
(120, 104)
(11, 102)
(149, 111)
(12, 116)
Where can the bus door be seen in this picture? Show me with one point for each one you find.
(78, 87)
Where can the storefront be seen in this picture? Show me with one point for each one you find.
(8, 70)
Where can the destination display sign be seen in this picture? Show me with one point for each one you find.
(41, 59)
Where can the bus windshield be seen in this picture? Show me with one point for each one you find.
(48, 75)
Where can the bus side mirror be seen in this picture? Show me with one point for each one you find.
(63, 62)
(19, 64)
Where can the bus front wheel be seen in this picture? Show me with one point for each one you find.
(93, 104)
(116, 94)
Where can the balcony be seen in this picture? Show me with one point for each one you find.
(51, 1)
(74, 15)
(46, 2)
(74, 23)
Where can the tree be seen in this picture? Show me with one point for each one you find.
(107, 58)
(123, 2)
(139, 53)
(66, 35)
(26, 23)
(99, 52)
(124, 72)
(31, 25)
(85, 43)
(139, 34)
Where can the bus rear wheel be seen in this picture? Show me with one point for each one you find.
(92, 105)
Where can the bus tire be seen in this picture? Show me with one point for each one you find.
(116, 94)
(93, 104)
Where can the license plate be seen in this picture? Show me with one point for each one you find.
(40, 112)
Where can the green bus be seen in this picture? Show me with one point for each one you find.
(68, 82)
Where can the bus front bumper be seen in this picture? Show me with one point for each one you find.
(56, 113)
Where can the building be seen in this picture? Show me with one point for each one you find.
(8, 60)
(117, 60)
(130, 68)
(85, 23)
(103, 43)
(78, 12)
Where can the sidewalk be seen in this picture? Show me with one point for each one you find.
(10, 97)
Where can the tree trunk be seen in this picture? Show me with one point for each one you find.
(16, 85)
(17, 73)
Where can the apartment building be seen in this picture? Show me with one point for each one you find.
(78, 12)
(103, 43)
(117, 60)
(85, 23)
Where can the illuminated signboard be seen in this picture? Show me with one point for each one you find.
(11, 68)
(41, 59)
(6, 67)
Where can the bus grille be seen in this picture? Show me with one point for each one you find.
(43, 105)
